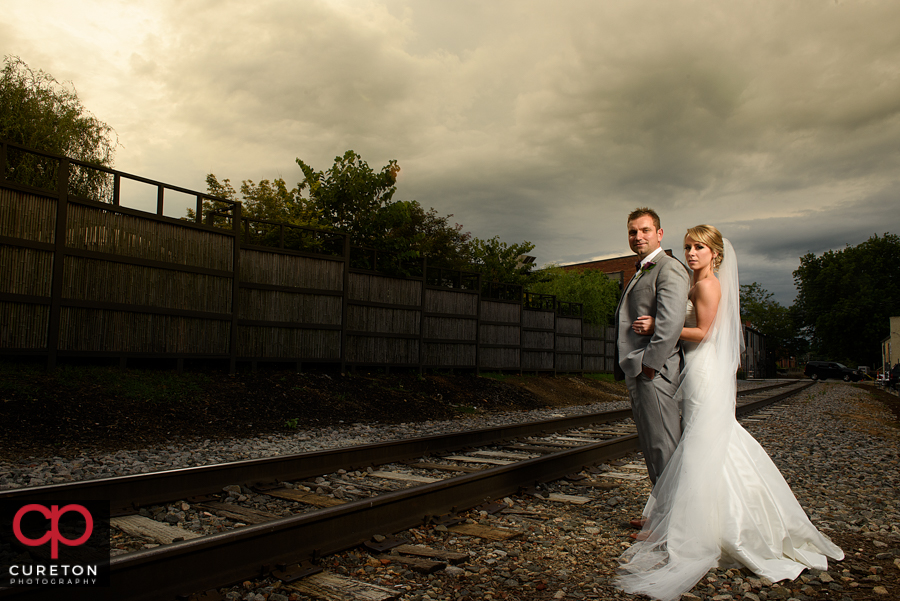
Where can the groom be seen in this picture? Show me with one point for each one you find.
(651, 365)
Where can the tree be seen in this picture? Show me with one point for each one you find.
(772, 319)
(349, 198)
(269, 201)
(350, 194)
(845, 298)
(501, 262)
(406, 229)
(38, 112)
(597, 293)
(352, 198)
(263, 205)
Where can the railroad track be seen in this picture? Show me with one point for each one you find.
(381, 489)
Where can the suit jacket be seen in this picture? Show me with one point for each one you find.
(661, 292)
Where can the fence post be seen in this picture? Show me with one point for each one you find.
(422, 315)
(236, 287)
(581, 340)
(117, 191)
(478, 285)
(59, 259)
(521, 325)
(345, 297)
(555, 330)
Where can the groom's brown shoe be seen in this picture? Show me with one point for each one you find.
(640, 535)
(637, 523)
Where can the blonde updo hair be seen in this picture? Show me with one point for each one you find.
(711, 237)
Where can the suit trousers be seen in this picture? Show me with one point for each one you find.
(657, 414)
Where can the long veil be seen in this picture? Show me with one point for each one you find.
(726, 332)
(720, 501)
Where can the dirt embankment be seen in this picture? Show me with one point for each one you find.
(95, 408)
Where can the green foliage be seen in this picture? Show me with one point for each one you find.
(264, 206)
(408, 230)
(845, 298)
(501, 262)
(350, 194)
(592, 288)
(38, 112)
(349, 198)
(352, 198)
(270, 201)
(773, 320)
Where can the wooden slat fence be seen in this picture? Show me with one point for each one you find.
(568, 344)
(538, 339)
(86, 278)
(450, 329)
(500, 335)
(598, 347)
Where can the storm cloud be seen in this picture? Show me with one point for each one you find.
(777, 121)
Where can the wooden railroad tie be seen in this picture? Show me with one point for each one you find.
(150, 529)
(236, 512)
(332, 587)
(310, 498)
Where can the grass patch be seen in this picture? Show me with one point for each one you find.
(27, 380)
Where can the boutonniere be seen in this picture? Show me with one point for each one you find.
(646, 267)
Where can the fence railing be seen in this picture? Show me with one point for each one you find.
(91, 277)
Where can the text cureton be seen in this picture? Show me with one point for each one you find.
(52, 570)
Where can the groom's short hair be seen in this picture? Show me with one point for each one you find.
(640, 212)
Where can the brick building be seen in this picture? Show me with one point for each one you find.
(619, 269)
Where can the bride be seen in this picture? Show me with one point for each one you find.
(720, 501)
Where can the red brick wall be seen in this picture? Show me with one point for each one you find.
(612, 267)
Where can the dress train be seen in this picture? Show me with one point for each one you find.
(720, 502)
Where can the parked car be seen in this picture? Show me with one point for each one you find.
(893, 379)
(823, 370)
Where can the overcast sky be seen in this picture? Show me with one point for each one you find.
(777, 121)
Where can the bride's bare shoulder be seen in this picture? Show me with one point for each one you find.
(707, 288)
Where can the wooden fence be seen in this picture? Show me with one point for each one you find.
(85, 278)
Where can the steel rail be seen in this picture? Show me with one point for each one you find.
(176, 570)
(757, 405)
(185, 567)
(125, 493)
(751, 391)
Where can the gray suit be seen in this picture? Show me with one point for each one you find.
(661, 292)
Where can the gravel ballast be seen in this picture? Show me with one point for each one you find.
(836, 446)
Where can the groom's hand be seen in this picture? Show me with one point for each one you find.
(649, 372)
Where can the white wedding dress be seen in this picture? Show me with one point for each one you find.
(720, 501)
